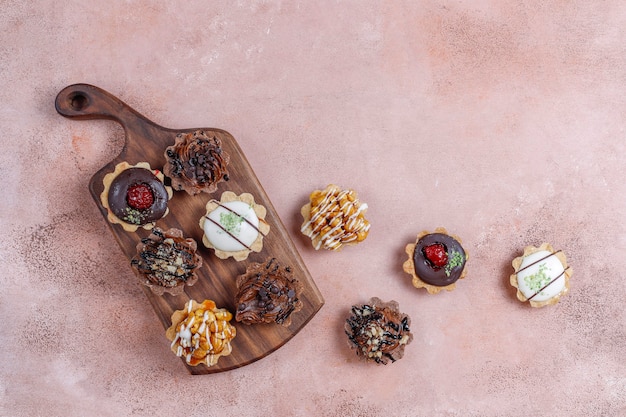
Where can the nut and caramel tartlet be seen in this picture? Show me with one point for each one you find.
(378, 331)
(201, 333)
(267, 293)
(167, 261)
(135, 196)
(196, 162)
(334, 218)
(436, 261)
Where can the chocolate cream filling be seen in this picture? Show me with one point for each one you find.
(118, 194)
(267, 293)
(439, 276)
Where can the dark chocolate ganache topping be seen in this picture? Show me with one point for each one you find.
(144, 180)
(267, 293)
(435, 273)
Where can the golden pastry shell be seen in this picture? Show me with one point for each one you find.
(104, 196)
(517, 262)
(259, 210)
(409, 265)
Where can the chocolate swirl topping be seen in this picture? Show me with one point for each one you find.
(267, 293)
(196, 162)
(378, 331)
(118, 196)
(439, 276)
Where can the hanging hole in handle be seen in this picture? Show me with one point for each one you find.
(78, 101)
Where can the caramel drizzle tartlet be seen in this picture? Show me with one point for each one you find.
(334, 218)
(201, 333)
(196, 162)
(267, 293)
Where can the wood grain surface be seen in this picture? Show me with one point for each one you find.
(146, 141)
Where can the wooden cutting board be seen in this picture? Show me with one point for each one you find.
(146, 141)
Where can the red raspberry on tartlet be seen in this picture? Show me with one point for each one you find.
(436, 261)
(140, 196)
(135, 196)
(436, 254)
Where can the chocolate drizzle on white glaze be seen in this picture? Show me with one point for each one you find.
(218, 224)
(239, 216)
(552, 281)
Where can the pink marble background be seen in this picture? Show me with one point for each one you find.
(502, 121)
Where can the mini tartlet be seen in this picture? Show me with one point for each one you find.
(436, 261)
(167, 261)
(267, 293)
(541, 275)
(201, 333)
(135, 196)
(334, 218)
(234, 226)
(378, 331)
(196, 162)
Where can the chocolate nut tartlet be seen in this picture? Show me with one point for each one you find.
(196, 162)
(167, 261)
(378, 332)
(267, 293)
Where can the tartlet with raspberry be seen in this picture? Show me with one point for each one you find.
(135, 196)
(436, 261)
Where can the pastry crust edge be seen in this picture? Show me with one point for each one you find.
(104, 196)
(409, 266)
(259, 210)
(516, 263)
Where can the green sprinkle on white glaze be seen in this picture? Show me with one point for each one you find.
(231, 222)
(539, 279)
(454, 259)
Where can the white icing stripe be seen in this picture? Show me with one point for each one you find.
(326, 210)
(189, 342)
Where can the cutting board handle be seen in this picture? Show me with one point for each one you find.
(85, 101)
